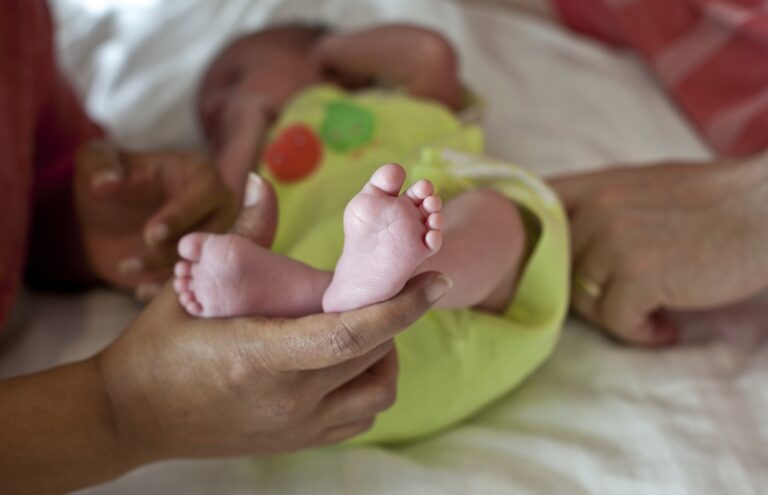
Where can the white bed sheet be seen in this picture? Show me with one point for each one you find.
(597, 418)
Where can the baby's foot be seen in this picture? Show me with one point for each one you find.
(228, 275)
(386, 237)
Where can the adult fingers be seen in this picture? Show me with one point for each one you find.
(617, 301)
(186, 209)
(586, 222)
(324, 340)
(367, 395)
(100, 164)
(329, 379)
(340, 433)
(149, 260)
(628, 313)
(129, 179)
(146, 284)
(593, 269)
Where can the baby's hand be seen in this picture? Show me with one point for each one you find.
(419, 59)
(240, 138)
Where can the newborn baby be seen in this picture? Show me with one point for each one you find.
(389, 237)
(331, 108)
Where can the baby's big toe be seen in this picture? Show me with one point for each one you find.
(191, 246)
(388, 178)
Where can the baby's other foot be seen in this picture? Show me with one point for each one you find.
(387, 236)
(228, 275)
(211, 275)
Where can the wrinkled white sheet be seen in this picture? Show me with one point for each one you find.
(597, 418)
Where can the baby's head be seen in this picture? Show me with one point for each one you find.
(271, 64)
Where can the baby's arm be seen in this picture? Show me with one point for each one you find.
(418, 58)
(239, 145)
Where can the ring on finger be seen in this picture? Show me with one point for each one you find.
(588, 286)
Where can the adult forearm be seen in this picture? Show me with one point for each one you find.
(56, 432)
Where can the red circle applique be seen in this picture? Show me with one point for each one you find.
(295, 153)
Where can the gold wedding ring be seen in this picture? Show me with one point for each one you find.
(588, 287)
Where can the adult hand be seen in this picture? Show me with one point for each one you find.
(133, 208)
(182, 386)
(665, 237)
(175, 386)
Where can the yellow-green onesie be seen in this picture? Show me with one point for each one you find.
(322, 151)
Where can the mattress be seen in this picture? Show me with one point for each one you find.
(597, 418)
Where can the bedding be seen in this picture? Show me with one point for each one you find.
(598, 417)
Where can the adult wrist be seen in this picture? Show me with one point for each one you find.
(130, 449)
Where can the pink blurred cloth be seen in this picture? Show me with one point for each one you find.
(41, 126)
(711, 55)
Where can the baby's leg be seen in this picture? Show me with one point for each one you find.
(389, 238)
(483, 247)
(229, 275)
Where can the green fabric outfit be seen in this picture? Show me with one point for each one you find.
(452, 363)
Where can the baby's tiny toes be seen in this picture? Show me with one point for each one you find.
(432, 204)
(419, 191)
(434, 240)
(182, 269)
(181, 284)
(435, 221)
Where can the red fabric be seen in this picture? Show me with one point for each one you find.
(41, 126)
(712, 55)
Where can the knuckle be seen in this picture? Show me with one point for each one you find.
(385, 396)
(363, 426)
(397, 317)
(344, 342)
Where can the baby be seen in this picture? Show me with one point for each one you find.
(319, 100)
(478, 241)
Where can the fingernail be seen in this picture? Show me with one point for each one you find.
(438, 288)
(156, 234)
(130, 266)
(253, 190)
(105, 177)
(145, 292)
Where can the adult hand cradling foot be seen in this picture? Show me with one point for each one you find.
(173, 386)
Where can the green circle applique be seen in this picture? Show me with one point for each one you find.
(346, 126)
